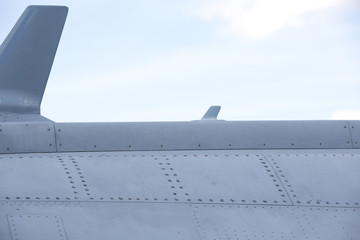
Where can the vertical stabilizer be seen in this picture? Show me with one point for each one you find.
(26, 57)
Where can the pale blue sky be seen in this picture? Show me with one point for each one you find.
(169, 60)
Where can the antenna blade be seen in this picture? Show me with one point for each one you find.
(211, 113)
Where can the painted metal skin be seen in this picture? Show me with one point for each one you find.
(206, 179)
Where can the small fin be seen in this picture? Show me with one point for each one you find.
(26, 58)
(211, 113)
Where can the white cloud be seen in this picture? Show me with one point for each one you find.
(260, 18)
(346, 115)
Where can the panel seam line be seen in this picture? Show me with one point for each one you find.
(278, 178)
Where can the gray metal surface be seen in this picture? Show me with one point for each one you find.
(26, 57)
(95, 220)
(16, 137)
(355, 133)
(40, 227)
(26, 133)
(202, 135)
(122, 176)
(19, 117)
(319, 179)
(275, 222)
(234, 177)
(183, 221)
(184, 177)
(224, 177)
(35, 177)
(131, 197)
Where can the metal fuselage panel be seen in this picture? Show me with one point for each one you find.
(42, 135)
(198, 194)
(162, 180)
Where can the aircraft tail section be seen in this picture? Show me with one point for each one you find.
(26, 58)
